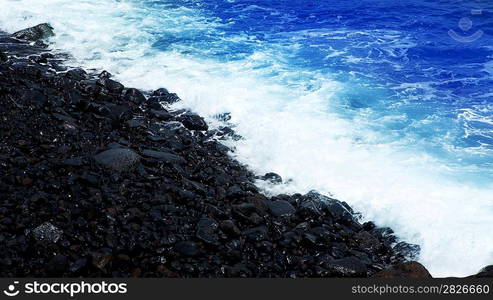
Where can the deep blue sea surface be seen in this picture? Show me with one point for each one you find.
(387, 105)
(407, 74)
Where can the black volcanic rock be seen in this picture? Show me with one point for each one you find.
(47, 232)
(410, 269)
(161, 114)
(76, 74)
(110, 85)
(105, 75)
(347, 267)
(164, 156)
(135, 96)
(35, 33)
(98, 181)
(193, 122)
(405, 251)
(120, 159)
(206, 230)
(3, 57)
(281, 208)
(272, 178)
(486, 272)
(154, 103)
(163, 96)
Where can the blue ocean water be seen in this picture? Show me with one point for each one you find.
(409, 77)
(387, 105)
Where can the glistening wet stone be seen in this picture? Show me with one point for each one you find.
(121, 159)
(47, 232)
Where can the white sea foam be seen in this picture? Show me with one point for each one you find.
(296, 132)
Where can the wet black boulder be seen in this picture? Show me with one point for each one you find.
(76, 74)
(272, 178)
(110, 86)
(192, 121)
(3, 57)
(486, 272)
(347, 267)
(35, 33)
(281, 208)
(134, 95)
(409, 269)
(164, 96)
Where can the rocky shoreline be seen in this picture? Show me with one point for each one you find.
(102, 180)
